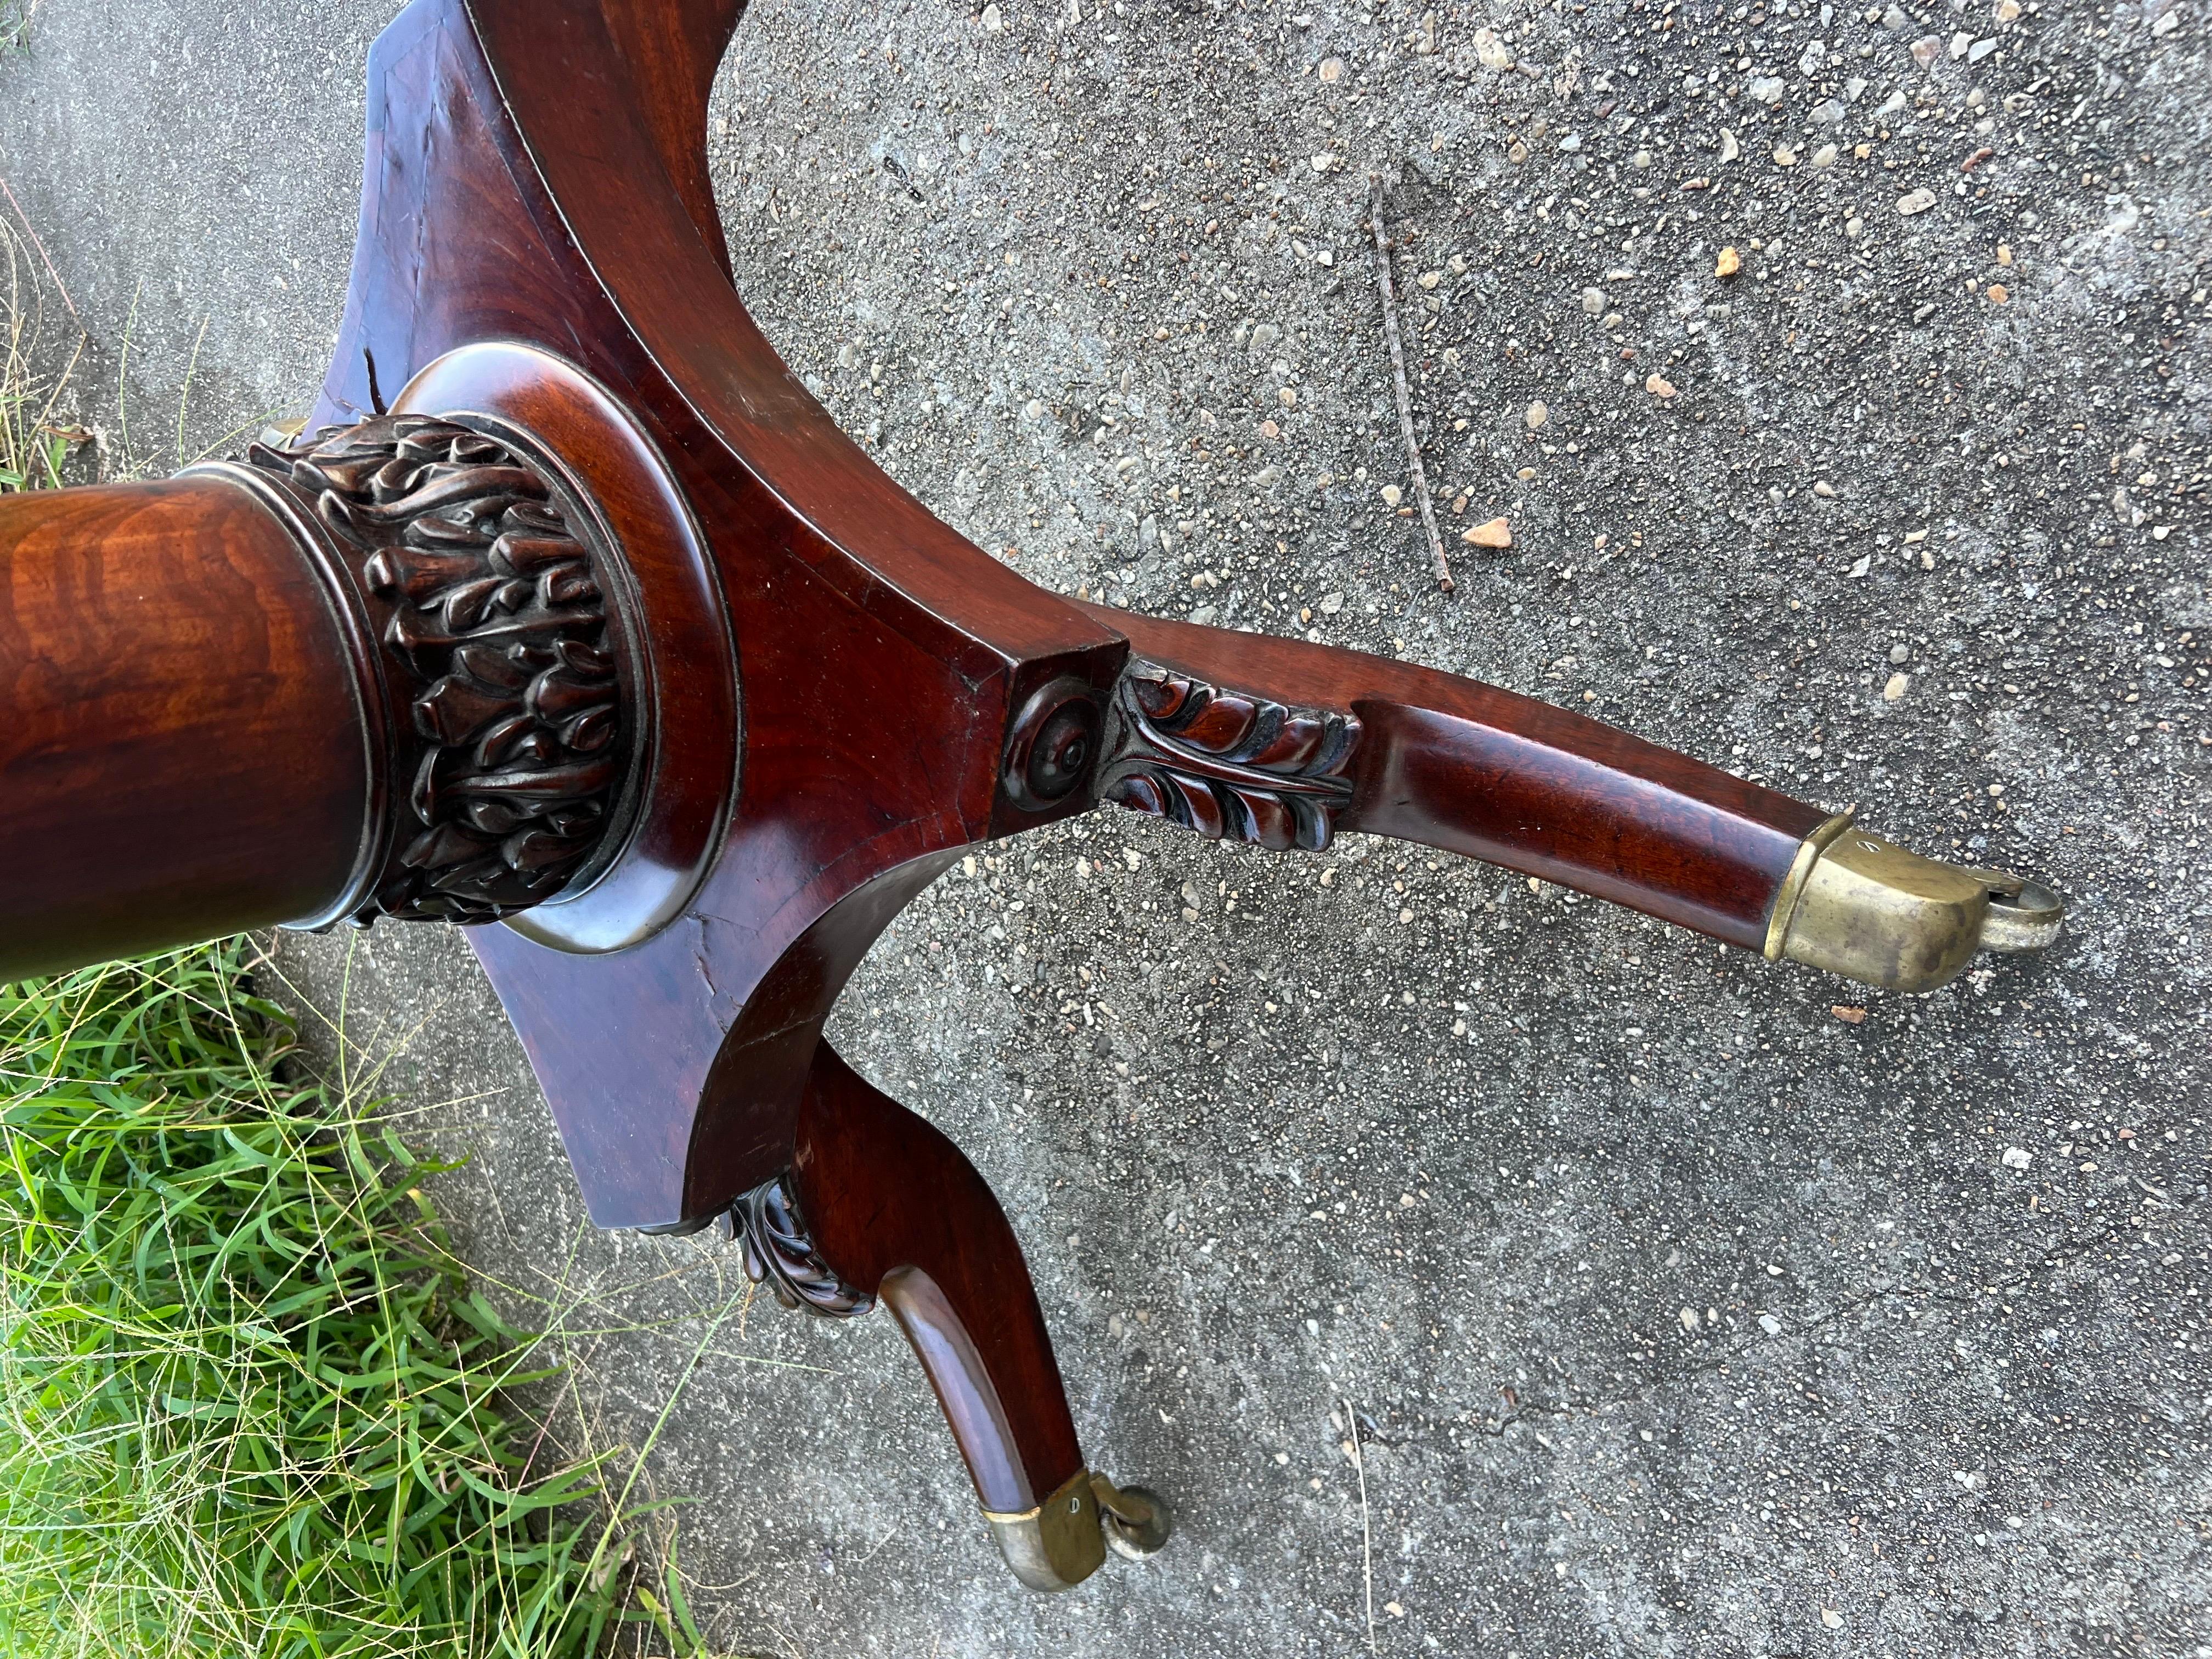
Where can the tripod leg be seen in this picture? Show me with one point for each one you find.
(879, 1206)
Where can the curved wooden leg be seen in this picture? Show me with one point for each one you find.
(881, 1206)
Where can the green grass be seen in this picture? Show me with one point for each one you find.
(248, 1403)
(32, 446)
(15, 23)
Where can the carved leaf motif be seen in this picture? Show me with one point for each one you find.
(456, 707)
(492, 606)
(591, 730)
(490, 665)
(417, 574)
(780, 1253)
(567, 584)
(560, 694)
(1227, 764)
(538, 853)
(525, 556)
(504, 738)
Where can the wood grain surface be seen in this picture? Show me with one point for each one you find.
(183, 755)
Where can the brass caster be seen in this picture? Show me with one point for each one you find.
(1063, 1541)
(1136, 1520)
(1863, 907)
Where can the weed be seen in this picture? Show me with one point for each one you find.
(32, 446)
(249, 1404)
(15, 24)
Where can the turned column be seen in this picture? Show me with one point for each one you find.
(370, 677)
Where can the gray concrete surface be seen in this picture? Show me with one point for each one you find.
(1677, 1308)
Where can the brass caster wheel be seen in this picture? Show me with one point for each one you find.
(1137, 1521)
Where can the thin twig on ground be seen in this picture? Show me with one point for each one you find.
(1398, 376)
(60, 288)
(1366, 1529)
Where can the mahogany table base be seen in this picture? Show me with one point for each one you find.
(577, 621)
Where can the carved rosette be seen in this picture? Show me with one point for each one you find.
(496, 656)
(780, 1253)
(1230, 766)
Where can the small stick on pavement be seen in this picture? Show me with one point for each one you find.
(1398, 376)
(1367, 1531)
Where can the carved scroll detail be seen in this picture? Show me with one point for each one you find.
(494, 630)
(780, 1253)
(1229, 765)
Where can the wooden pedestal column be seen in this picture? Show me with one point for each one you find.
(183, 754)
(378, 676)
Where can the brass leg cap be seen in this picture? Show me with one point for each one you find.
(1057, 1544)
(1064, 1539)
(1864, 908)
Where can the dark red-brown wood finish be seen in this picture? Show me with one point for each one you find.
(881, 657)
(879, 654)
(897, 1208)
(182, 754)
(584, 616)
(1494, 775)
